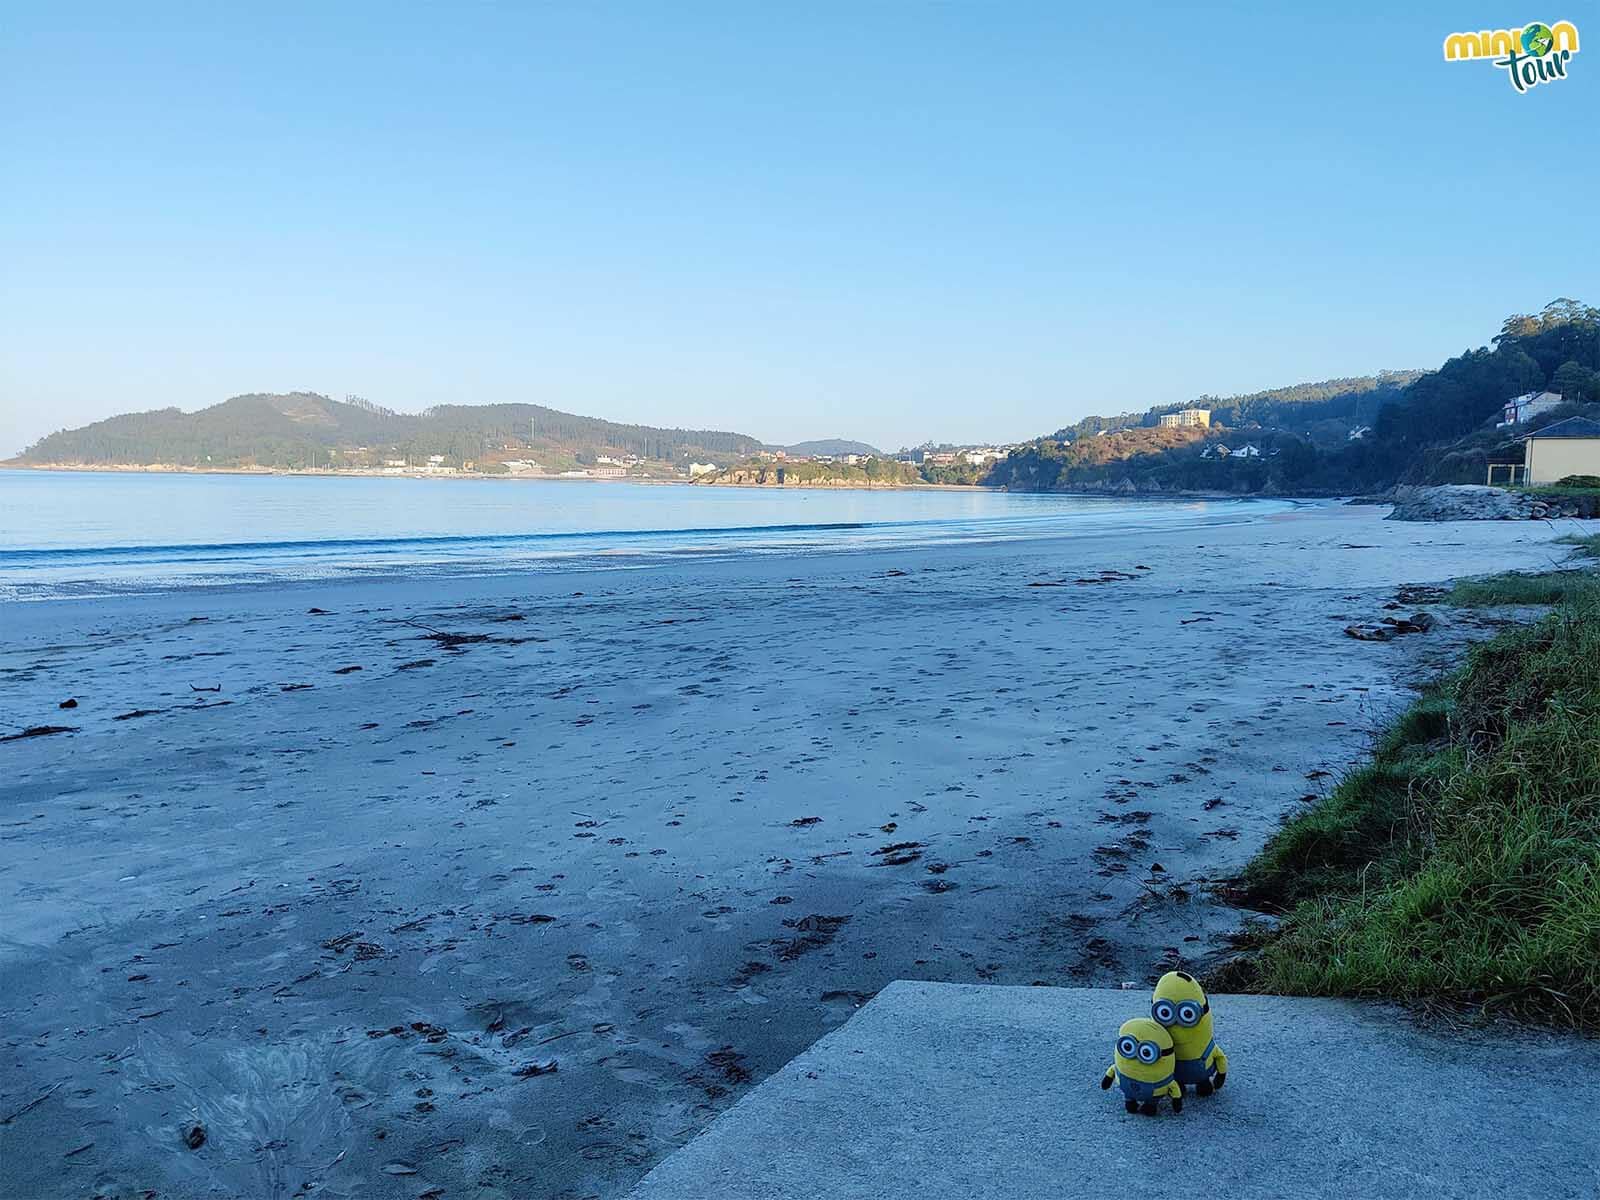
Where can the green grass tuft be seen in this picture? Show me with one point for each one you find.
(1587, 545)
(1549, 587)
(1572, 486)
(1463, 863)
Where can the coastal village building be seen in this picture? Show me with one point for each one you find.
(1570, 447)
(1525, 407)
(698, 469)
(1218, 450)
(1187, 418)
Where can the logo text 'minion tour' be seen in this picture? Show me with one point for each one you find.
(1535, 54)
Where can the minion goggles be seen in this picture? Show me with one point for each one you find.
(1146, 1052)
(1186, 1013)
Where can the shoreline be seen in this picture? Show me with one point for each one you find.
(312, 473)
(661, 829)
(853, 485)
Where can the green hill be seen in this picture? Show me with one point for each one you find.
(296, 428)
(830, 447)
(1354, 401)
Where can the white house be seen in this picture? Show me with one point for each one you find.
(698, 469)
(1187, 417)
(1525, 407)
(1247, 452)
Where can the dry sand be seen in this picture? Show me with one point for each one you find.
(516, 915)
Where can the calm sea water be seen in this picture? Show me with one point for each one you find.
(81, 533)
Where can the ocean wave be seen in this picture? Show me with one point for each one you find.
(129, 566)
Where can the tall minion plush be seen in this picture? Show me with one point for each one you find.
(1143, 1067)
(1180, 1007)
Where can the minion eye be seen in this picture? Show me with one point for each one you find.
(1126, 1047)
(1163, 1013)
(1149, 1052)
(1188, 1014)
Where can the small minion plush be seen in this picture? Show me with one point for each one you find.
(1180, 1007)
(1143, 1067)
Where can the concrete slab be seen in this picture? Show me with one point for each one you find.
(969, 1091)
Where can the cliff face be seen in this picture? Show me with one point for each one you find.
(774, 476)
(876, 473)
(748, 476)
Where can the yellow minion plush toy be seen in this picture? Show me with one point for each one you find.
(1180, 1007)
(1143, 1067)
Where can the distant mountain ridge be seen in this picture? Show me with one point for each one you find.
(829, 447)
(294, 428)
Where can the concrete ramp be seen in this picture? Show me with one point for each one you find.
(957, 1090)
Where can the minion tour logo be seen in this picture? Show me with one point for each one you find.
(1535, 54)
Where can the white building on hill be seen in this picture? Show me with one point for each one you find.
(1529, 405)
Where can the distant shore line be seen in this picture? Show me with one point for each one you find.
(315, 473)
(811, 486)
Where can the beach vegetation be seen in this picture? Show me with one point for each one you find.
(1515, 587)
(1462, 864)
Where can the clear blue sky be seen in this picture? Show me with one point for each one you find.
(885, 220)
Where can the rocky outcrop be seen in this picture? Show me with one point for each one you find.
(1475, 502)
(1392, 627)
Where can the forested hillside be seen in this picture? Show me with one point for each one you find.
(1300, 407)
(299, 428)
(1437, 427)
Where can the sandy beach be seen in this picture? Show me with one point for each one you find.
(504, 887)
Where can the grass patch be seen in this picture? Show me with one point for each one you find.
(1565, 488)
(1513, 587)
(1463, 863)
(1588, 545)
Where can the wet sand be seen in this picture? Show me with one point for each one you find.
(504, 888)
